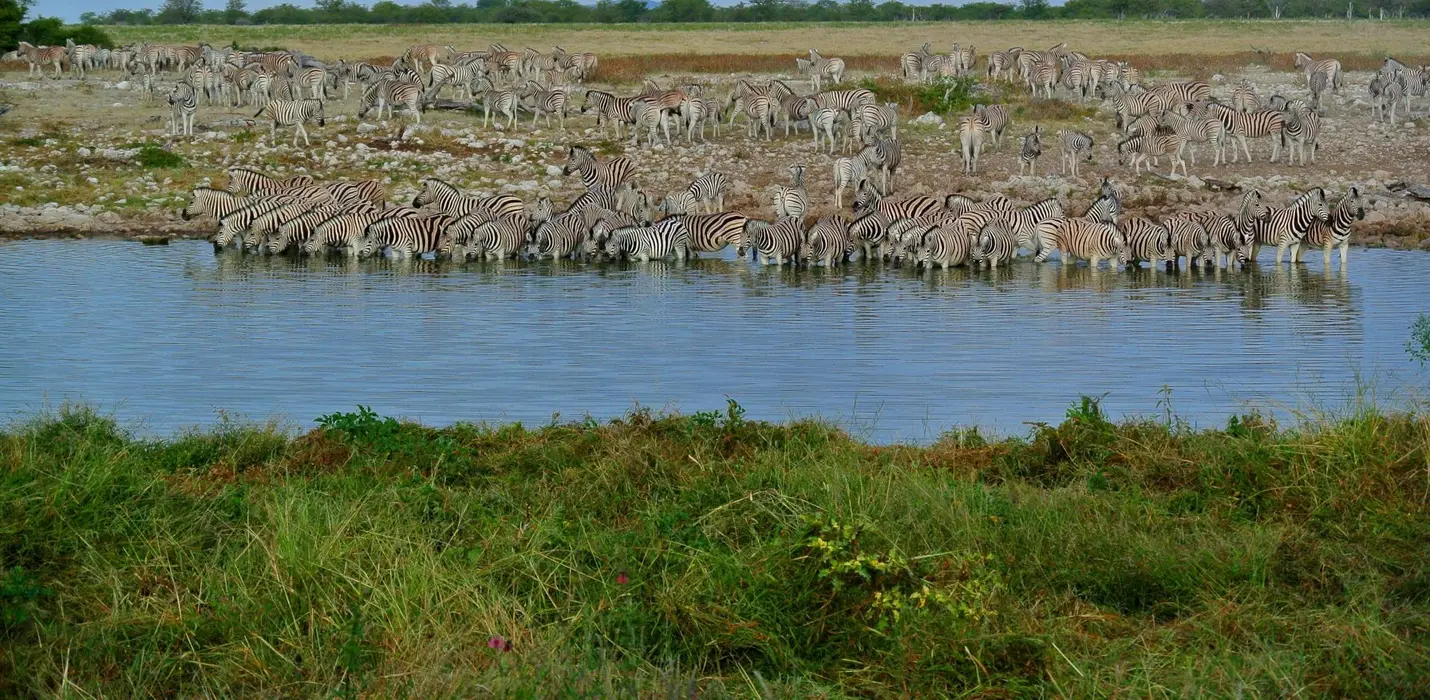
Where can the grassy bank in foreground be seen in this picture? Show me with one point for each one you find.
(711, 554)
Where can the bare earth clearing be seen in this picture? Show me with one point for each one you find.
(68, 158)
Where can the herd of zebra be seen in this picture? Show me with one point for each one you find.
(1154, 121)
(613, 219)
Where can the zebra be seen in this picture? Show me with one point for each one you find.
(1023, 222)
(385, 95)
(420, 54)
(1336, 230)
(610, 173)
(911, 64)
(183, 106)
(709, 191)
(1187, 239)
(1387, 92)
(1081, 238)
(850, 172)
(363, 190)
(1193, 130)
(450, 200)
(294, 113)
(971, 131)
(695, 112)
(544, 102)
(1044, 73)
(997, 244)
(894, 209)
(820, 66)
(1129, 106)
(1330, 67)
(241, 219)
(773, 243)
(996, 117)
(792, 201)
(1074, 144)
(1001, 63)
(1259, 124)
(499, 238)
(827, 241)
(253, 181)
(760, 111)
(1182, 92)
(405, 237)
(1223, 239)
(1286, 227)
(559, 237)
(316, 80)
(1302, 127)
(663, 239)
(711, 233)
(873, 119)
(1031, 151)
(212, 203)
(299, 229)
(1318, 83)
(964, 58)
(609, 109)
(945, 244)
(346, 230)
(1146, 148)
(40, 56)
(647, 116)
(1243, 97)
(847, 101)
(887, 154)
(825, 120)
(493, 100)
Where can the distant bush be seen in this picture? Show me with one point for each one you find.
(52, 31)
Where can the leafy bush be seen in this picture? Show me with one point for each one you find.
(1419, 344)
(153, 156)
(944, 96)
(52, 31)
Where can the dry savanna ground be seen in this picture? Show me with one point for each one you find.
(67, 149)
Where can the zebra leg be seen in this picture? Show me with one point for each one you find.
(1280, 250)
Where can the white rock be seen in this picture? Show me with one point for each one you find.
(553, 170)
(929, 119)
(366, 128)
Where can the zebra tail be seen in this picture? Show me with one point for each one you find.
(260, 113)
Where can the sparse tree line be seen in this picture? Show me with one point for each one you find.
(632, 11)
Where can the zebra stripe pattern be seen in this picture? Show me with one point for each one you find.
(1336, 231)
(1076, 146)
(828, 241)
(1286, 227)
(663, 239)
(773, 243)
(792, 201)
(294, 113)
(1031, 151)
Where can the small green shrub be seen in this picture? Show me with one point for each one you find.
(945, 96)
(154, 156)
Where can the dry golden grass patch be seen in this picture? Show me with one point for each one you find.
(1137, 38)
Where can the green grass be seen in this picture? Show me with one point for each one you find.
(654, 555)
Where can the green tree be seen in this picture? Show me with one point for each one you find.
(234, 11)
(1033, 9)
(684, 11)
(180, 11)
(12, 15)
